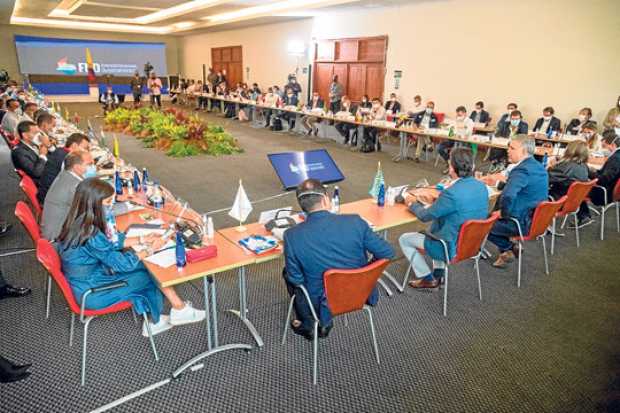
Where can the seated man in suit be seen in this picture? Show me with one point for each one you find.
(289, 99)
(425, 120)
(79, 165)
(46, 123)
(526, 185)
(463, 126)
(514, 127)
(27, 156)
(322, 242)
(371, 134)
(505, 118)
(575, 125)
(309, 122)
(392, 105)
(607, 176)
(108, 100)
(548, 123)
(479, 115)
(55, 162)
(466, 198)
(347, 109)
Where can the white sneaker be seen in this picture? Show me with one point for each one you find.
(163, 325)
(186, 315)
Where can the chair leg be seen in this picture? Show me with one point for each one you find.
(520, 263)
(346, 320)
(477, 265)
(84, 346)
(544, 244)
(445, 295)
(288, 318)
(148, 330)
(71, 329)
(407, 275)
(133, 313)
(315, 353)
(564, 221)
(602, 223)
(576, 229)
(373, 333)
(553, 238)
(49, 296)
(618, 216)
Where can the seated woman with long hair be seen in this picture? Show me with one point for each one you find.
(91, 259)
(573, 166)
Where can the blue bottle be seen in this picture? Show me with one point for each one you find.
(545, 161)
(145, 178)
(381, 196)
(180, 251)
(118, 184)
(136, 181)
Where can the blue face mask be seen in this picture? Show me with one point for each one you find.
(515, 122)
(91, 172)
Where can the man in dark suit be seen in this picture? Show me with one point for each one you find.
(480, 115)
(347, 108)
(425, 119)
(26, 155)
(289, 99)
(53, 166)
(467, 198)
(393, 104)
(607, 176)
(525, 187)
(548, 123)
(324, 241)
(506, 129)
(309, 122)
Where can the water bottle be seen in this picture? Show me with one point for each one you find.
(381, 196)
(118, 184)
(136, 181)
(210, 229)
(110, 225)
(451, 132)
(336, 201)
(157, 198)
(145, 178)
(549, 133)
(180, 251)
(545, 160)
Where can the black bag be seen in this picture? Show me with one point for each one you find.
(276, 124)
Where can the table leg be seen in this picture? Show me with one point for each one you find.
(242, 313)
(211, 309)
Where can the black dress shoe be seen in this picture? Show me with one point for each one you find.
(324, 331)
(20, 369)
(5, 228)
(8, 291)
(299, 330)
(12, 377)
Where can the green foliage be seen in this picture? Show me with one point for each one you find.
(174, 131)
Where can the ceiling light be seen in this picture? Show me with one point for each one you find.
(110, 27)
(183, 25)
(182, 8)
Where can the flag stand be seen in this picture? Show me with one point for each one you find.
(241, 227)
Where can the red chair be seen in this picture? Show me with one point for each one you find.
(48, 257)
(440, 117)
(9, 138)
(30, 189)
(544, 217)
(615, 201)
(577, 193)
(20, 173)
(346, 292)
(472, 236)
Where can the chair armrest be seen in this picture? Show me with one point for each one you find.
(111, 286)
(305, 292)
(443, 243)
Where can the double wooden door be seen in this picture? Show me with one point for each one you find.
(230, 59)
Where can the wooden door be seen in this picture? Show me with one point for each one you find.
(375, 78)
(357, 82)
(228, 58)
(322, 79)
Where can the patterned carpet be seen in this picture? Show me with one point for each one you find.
(550, 346)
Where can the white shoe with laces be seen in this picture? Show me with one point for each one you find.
(186, 315)
(160, 327)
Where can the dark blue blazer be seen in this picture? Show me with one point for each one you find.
(554, 125)
(484, 116)
(319, 104)
(53, 166)
(417, 119)
(328, 241)
(503, 129)
(526, 187)
(292, 101)
(465, 199)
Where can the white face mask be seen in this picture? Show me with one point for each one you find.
(547, 118)
(582, 118)
(393, 99)
(429, 111)
(376, 105)
(460, 118)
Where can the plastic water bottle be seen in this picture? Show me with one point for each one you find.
(118, 184)
(157, 199)
(145, 178)
(336, 201)
(210, 229)
(136, 181)
(545, 160)
(180, 251)
(381, 196)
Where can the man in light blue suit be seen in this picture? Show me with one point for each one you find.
(466, 199)
(324, 241)
(526, 186)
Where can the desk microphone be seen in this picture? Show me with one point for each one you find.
(192, 234)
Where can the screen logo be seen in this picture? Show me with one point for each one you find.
(66, 68)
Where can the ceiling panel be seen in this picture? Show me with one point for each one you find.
(100, 11)
(158, 4)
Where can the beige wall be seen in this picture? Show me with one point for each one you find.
(8, 57)
(561, 53)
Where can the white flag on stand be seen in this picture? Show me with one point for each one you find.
(242, 206)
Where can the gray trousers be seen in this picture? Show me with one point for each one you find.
(409, 244)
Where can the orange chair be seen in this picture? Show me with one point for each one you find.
(615, 201)
(346, 292)
(577, 193)
(544, 217)
(472, 236)
(48, 257)
(30, 189)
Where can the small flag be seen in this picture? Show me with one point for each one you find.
(242, 205)
(67, 114)
(376, 183)
(90, 75)
(102, 137)
(115, 148)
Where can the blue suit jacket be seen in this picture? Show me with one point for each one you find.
(465, 199)
(326, 241)
(526, 187)
(503, 128)
(417, 119)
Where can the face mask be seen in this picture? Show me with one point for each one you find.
(478, 110)
(605, 152)
(91, 172)
(515, 122)
(617, 130)
(393, 99)
(547, 118)
(460, 118)
(582, 118)
(364, 100)
(417, 103)
(375, 105)
(429, 111)
(290, 95)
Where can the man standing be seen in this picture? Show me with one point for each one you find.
(336, 91)
(154, 85)
(26, 155)
(527, 185)
(78, 166)
(324, 241)
(136, 89)
(293, 85)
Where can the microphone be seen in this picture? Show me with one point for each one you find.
(178, 217)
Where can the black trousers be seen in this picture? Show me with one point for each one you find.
(334, 106)
(344, 129)
(2, 281)
(597, 196)
(156, 99)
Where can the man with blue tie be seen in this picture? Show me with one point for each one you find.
(465, 199)
(527, 185)
(324, 241)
